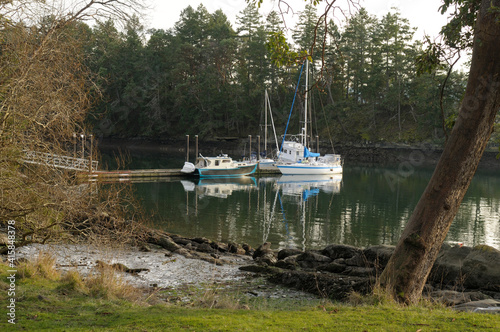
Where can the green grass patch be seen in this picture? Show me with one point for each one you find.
(65, 304)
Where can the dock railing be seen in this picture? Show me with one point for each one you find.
(58, 161)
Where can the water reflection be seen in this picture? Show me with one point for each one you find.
(300, 188)
(359, 208)
(218, 187)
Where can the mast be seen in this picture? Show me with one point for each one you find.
(265, 123)
(305, 106)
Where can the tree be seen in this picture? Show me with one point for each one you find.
(419, 245)
(408, 269)
(45, 93)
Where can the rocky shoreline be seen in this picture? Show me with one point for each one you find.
(462, 277)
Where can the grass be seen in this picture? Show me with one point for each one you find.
(50, 301)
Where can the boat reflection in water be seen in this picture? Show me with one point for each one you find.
(309, 185)
(297, 189)
(218, 187)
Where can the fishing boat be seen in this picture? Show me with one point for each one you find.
(220, 166)
(294, 156)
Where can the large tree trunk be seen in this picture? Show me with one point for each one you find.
(411, 263)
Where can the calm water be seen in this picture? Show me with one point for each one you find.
(365, 206)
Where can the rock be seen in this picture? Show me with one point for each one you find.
(205, 247)
(289, 263)
(268, 258)
(184, 252)
(333, 286)
(335, 251)
(165, 242)
(284, 253)
(181, 241)
(201, 240)
(236, 249)
(255, 268)
(222, 247)
(248, 249)
(310, 260)
(378, 255)
(453, 298)
(483, 306)
(262, 250)
(333, 267)
(357, 260)
(471, 268)
(359, 271)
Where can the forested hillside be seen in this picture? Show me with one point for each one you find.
(206, 77)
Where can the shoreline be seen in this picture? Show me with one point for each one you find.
(386, 154)
(172, 262)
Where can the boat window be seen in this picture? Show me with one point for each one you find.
(290, 152)
(286, 151)
(217, 163)
(226, 161)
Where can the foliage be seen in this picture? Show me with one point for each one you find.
(45, 95)
(205, 77)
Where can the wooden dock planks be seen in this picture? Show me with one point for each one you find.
(144, 174)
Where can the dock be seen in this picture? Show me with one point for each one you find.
(146, 175)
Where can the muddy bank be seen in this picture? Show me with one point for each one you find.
(418, 155)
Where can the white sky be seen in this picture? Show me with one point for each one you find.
(422, 14)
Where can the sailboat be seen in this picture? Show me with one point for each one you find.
(294, 156)
(266, 163)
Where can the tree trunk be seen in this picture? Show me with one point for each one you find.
(408, 269)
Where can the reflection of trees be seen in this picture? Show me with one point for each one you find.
(365, 212)
(477, 220)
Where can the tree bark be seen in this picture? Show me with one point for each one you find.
(408, 269)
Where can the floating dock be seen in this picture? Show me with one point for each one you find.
(144, 175)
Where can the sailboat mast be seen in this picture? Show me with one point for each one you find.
(305, 106)
(265, 125)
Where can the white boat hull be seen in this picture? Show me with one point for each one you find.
(308, 169)
(267, 164)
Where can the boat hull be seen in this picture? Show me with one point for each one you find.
(267, 165)
(301, 169)
(240, 170)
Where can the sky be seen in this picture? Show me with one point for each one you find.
(422, 14)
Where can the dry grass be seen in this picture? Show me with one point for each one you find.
(102, 282)
(43, 266)
(215, 298)
(378, 297)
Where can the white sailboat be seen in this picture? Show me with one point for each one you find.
(295, 158)
(266, 163)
